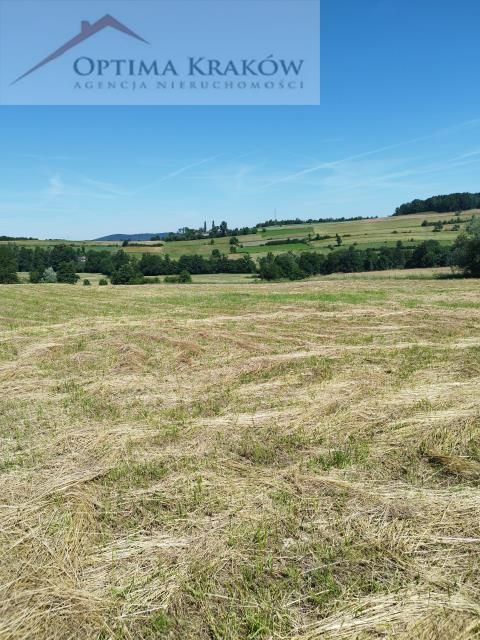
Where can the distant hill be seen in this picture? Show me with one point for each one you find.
(134, 237)
(441, 204)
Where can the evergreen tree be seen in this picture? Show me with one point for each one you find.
(62, 253)
(66, 273)
(223, 228)
(8, 265)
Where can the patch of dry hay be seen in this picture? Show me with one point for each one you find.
(241, 462)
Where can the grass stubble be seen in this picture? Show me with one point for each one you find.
(292, 461)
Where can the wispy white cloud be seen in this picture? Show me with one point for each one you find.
(174, 174)
(337, 163)
(106, 187)
(56, 186)
(116, 190)
(66, 183)
(470, 154)
(372, 176)
(372, 152)
(45, 158)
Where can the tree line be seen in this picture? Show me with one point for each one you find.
(441, 204)
(456, 222)
(62, 263)
(291, 221)
(350, 260)
(126, 269)
(13, 238)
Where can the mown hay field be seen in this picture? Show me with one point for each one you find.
(241, 461)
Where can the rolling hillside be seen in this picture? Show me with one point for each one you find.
(366, 233)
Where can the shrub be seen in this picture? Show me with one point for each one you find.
(183, 277)
(49, 275)
(273, 243)
(86, 283)
(102, 282)
(466, 254)
(127, 273)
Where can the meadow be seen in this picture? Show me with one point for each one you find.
(233, 460)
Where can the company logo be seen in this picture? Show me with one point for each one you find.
(226, 53)
(87, 30)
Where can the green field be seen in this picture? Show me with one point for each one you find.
(296, 247)
(365, 233)
(223, 461)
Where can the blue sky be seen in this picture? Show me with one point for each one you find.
(399, 119)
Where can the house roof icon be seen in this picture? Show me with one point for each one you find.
(87, 30)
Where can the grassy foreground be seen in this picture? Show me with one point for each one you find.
(241, 461)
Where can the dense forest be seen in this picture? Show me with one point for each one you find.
(441, 204)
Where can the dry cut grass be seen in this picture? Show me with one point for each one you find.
(293, 461)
